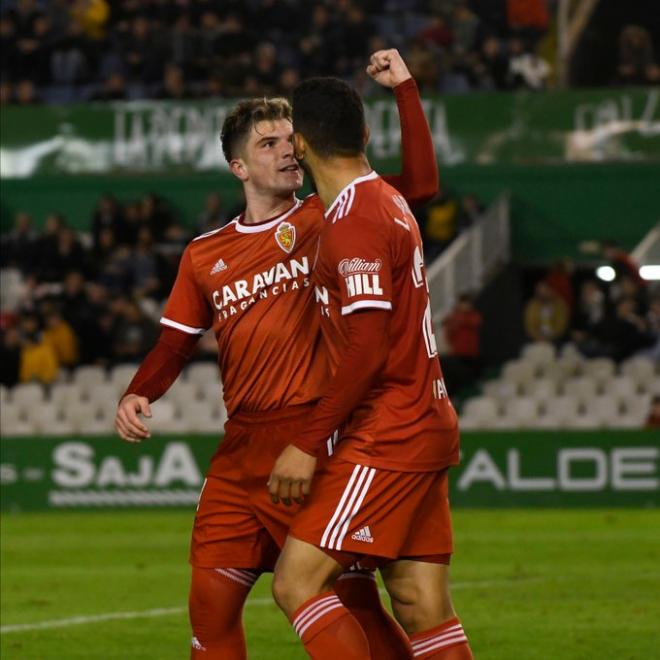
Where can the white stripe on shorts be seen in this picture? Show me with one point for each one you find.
(348, 506)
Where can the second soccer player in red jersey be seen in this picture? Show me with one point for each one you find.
(382, 497)
(251, 282)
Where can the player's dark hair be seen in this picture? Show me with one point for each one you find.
(329, 114)
(244, 116)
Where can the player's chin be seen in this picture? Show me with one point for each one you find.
(293, 178)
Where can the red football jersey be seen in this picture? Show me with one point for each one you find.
(370, 256)
(252, 284)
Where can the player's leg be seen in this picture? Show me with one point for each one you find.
(215, 606)
(358, 591)
(422, 604)
(302, 587)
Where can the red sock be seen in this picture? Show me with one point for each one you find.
(328, 630)
(215, 606)
(444, 642)
(358, 591)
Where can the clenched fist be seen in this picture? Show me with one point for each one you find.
(387, 68)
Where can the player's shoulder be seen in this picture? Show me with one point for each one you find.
(217, 233)
(367, 198)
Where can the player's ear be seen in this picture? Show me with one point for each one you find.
(239, 169)
(367, 135)
(299, 146)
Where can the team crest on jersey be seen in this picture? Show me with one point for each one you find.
(285, 235)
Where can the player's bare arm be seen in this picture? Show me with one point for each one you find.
(387, 68)
(128, 424)
(291, 477)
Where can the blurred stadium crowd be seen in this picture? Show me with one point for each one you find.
(61, 51)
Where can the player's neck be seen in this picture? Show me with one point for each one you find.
(331, 176)
(260, 207)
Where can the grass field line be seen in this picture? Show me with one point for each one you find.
(168, 611)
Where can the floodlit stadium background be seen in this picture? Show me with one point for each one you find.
(543, 257)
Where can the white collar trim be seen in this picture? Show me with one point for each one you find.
(256, 228)
(367, 177)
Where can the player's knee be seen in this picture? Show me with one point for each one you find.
(418, 608)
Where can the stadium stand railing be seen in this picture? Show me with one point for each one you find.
(468, 263)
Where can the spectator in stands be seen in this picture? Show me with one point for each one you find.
(490, 69)
(91, 16)
(144, 266)
(73, 57)
(173, 86)
(59, 334)
(134, 333)
(591, 316)
(38, 361)
(438, 220)
(470, 210)
(560, 279)
(25, 93)
(213, 216)
(653, 420)
(546, 315)
(637, 64)
(108, 214)
(10, 356)
(653, 327)
(526, 69)
(627, 286)
(529, 18)
(628, 332)
(6, 92)
(621, 261)
(113, 89)
(461, 366)
(142, 52)
(20, 244)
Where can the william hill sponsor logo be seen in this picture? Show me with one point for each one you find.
(361, 276)
(280, 278)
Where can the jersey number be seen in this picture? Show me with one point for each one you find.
(419, 279)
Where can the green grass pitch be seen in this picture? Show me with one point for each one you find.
(528, 584)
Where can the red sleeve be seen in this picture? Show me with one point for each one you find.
(418, 181)
(359, 366)
(163, 364)
(187, 309)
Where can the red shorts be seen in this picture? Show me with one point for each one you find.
(370, 515)
(237, 525)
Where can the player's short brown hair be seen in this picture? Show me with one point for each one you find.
(244, 116)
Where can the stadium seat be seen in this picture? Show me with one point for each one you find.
(600, 369)
(44, 415)
(518, 371)
(538, 353)
(122, 374)
(4, 394)
(103, 394)
(57, 427)
(585, 421)
(483, 410)
(12, 423)
(621, 387)
(541, 389)
(96, 426)
(89, 376)
(653, 386)
(212, 393)
(27, 395)
(582, 388)
(502, 390)
(603, 409)
(562, 408)
(163, 415)
(641, 370)
(66, 394)
(203, 374)
(522, 412)
(182, 393)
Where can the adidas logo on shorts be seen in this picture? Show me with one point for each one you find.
(363, 535)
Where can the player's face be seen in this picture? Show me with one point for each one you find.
(268, 158)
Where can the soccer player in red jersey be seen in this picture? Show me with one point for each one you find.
(251, 282)
(382, 498)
